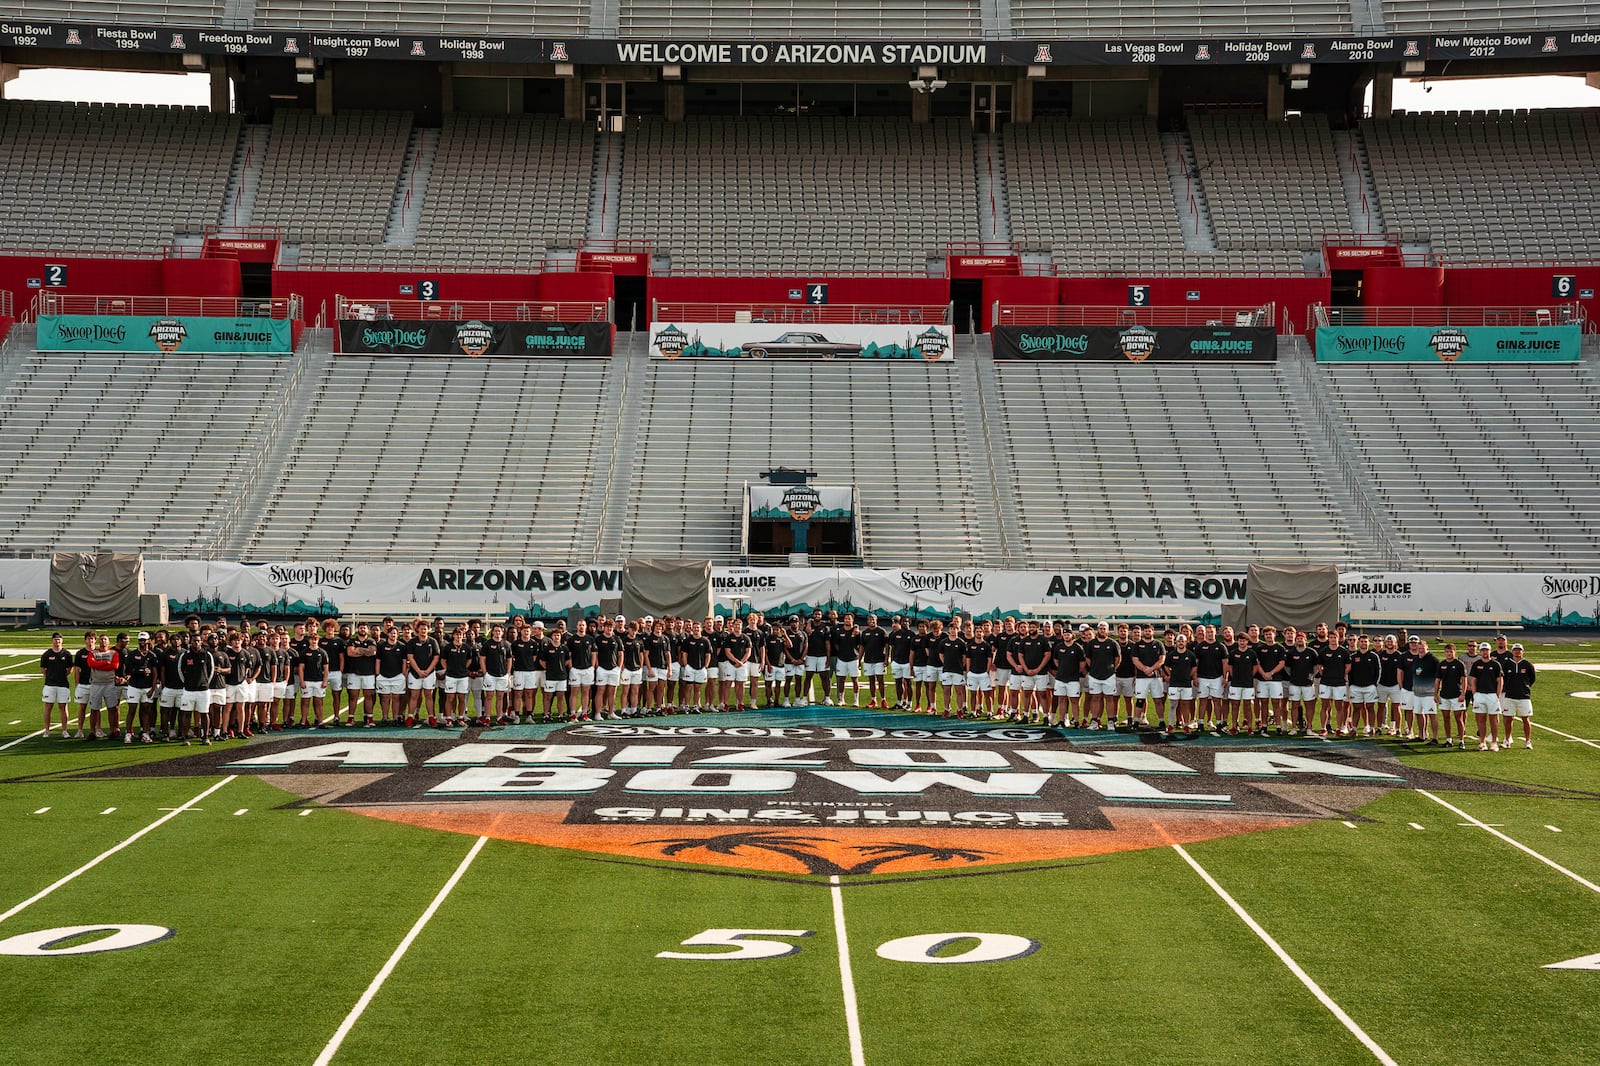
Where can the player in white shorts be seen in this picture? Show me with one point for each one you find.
(1517, 702)
(55, 664)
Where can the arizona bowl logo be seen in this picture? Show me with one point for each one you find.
(1448, 344)
(801, 501)
(169, 334)
(671, 342)
(846, 794)
(1138, 343)
(474, 338)
(932, 344)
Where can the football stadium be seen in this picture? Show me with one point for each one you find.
(724, 532)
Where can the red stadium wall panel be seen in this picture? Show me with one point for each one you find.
(319, 286)
(90, 275)
(1514, 286)
(1293, 295)
(883, 292)
(1017, 291)
(201, 277)
(1390, 286)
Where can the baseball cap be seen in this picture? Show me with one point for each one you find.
(620, 618)
(1516, 647)
(649, 619)
(537, 624)
(1483, 646)
(144, 636)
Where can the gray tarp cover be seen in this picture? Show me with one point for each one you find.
(666, 586)
(96, 587)
(1292, 594)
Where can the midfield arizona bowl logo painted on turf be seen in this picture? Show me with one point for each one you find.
(822, 793)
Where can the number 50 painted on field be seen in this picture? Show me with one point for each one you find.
(924, 947)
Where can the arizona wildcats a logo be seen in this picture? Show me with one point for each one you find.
(1042, 54)
(177, 44)
(417, 49)
(1309, 51)
(1412, 51)
(73, 37)
(558, 52)
(1549, 45)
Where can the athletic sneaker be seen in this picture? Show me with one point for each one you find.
(146, 738)
(127, 738)
(1528, 744)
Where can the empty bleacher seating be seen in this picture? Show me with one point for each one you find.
(1423, 16)
(1152, 18)
(330, 179)
(510, 18)
(876, 19)
(728, 196)
(1271, 185)
(137, 12)
(110, 178)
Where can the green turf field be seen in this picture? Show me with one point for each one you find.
(326, 911)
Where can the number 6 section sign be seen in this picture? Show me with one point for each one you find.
(924, 947)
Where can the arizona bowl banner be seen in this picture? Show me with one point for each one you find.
(145, 333)
(1138, 344)
(1448, 344)
(475, 338)
(802, 503)
(811, 340)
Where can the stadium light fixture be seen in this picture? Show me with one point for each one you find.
(566, 70)
(1037, 71)
(1299, 75)
(927, 73)
(305, 70)
(191, 61)
(672, 72)
(1413, 67)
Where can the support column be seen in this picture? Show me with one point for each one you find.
(921, 107)
(221, 83)
(447, 88)
(1022, 100)
(8, 72)
(1152, 94)
(1274, 96)
(324, 88)
(572, 99)
(1383, 94)
(675, 101)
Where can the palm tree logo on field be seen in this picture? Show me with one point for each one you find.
(801, 849)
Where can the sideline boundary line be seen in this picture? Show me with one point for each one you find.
(1569, 736)
(1556, 866)
(395, 957)
(852, 1018)
(1284, 957)
(19, 740)
(104, 855)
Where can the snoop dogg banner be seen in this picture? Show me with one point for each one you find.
(474, 339)
(144, 333)
(1138, 344)
(1448, 344)
(814, 340)
(322, 586)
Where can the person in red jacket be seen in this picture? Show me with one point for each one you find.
(103, 663)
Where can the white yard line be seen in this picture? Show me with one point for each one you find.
(1283, 957)
(104, 855)
(19, 740)
(394, 959)
(852, 1018)
(1556, 866)
(1559, 733)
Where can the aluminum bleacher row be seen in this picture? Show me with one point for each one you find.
(502, 17)
(1149, 18)
(874, 19)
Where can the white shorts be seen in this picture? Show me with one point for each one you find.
(900, 671)
(847, 668)
(1457, 704)
(1070, 689)
(1124, 686)
(816, 664)
(81, 694)
(497, 684)
(1036, 682)
(581, 678)
(777, 673)
(1208, 688)
(1302, 693)
(979, 683)
(612, 677)
(927, 674)
(1148, 688)
(135, 694)
(1013, 682)
(280, 690)
(1333, 692)
(658, 673)
(871, 669)
(314, 689)
(1242, 695)
(455, 686)
(1364, 694)
(633, 677)
(236, 694)
(1002, 675)
(674, 671)
(1180, 695)
(291, 689)
(1404, 699)
(522, 680)
(336, 681)
(950, 680)
(358, 682)
(693, 675)
(391, 686)
(1486, 703)
(425, 683)
(1102, 686)
(1388, 693)
(169, 698)
(1269, 690)
(552, 687)
(198, 702)
(1518, 708)
(1424, 705)
(57, 694)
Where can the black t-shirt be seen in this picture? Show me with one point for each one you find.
(847, 644)
(1125, 667)
(1392, 661)
(314, 664)
(777, 647)
(1209, 656)
(980, 655)
(1424, 674)
(80, 663)
(1301, 666)
(495, 657)
(1180, 668)
(1452, 679)
(1486, 675)
(335, 648)
(557, 660)
(922, 650)
(1242, 666)
(460, 660)
(219, 675)
(1102, 658)
(1519, 680)
(817, 640)
(139, 667)
(364, 664)
(736, 648)
(1335, 665)
(423, 651)
(1271, 656)
(1365, 667)
(238, 666)
(57, 668)
(195, 667)
(1032, 651)
(874, 644)
(632, 653)
(167, 663)
(1147, 653)
(391, 659)
(952, 654)
(608, 652)
(1068, 659)
(696, 652)
(581, 652)
(658, 649)
(1408, 664)
(900, 641)
(525, 657)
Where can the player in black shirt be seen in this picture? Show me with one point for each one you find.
(607, 670)
(1452, 696)
(1334, 687)
(775, 665)
(1181, 663)
(460, 663)
(1518, 703)
(695, 654)
(1366, 667)
(1210, 655)
(494, 660)
(951, 651)
(1242, 661)
(1270, 673)
(817, 656)
(845, 649)
(311, 674)
(737, 649)
(900, 638)
(1103, 654)
(924, 671)
(361, 673)
(1066, 662)
(555, 663)
(874, 656)
(56, 666)
(1486, 684)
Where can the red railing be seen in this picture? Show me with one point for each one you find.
(57, 303)
(874, 314)
(1063, 315)
(348, 309)
(1554, 315)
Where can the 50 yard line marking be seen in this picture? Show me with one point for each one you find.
(104, 855)
(1487, 828)
(394, 959)
(852, 1019)
(1283, 957)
